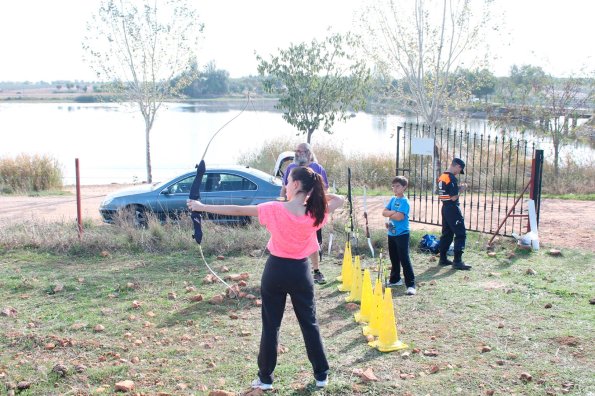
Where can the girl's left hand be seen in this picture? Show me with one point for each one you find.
(194, 205)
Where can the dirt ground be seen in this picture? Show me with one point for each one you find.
(563, 223)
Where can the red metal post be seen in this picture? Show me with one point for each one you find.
(79, 216)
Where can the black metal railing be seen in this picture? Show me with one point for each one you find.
(498, 169)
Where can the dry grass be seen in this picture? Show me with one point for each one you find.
(26, 173)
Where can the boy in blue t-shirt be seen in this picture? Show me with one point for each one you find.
(397, 211)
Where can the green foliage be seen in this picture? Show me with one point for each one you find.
(319, 82)
(210, 82)
(29, 173)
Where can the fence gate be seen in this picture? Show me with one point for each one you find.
(498, 170)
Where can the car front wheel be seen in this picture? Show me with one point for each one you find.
(135, 215)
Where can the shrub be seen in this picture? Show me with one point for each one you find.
(30, 173)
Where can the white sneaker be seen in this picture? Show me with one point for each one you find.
(410, 291)
(322, 384)
(257, 383)
(398, 283)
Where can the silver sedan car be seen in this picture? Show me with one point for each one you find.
(233, 185)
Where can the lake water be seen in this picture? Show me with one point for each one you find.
(109, 139)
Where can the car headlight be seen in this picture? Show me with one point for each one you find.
(107, 201)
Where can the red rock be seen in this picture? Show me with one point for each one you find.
(218, 392)
(196, 298)
(526, 377)
(368, 375)
(124, 386)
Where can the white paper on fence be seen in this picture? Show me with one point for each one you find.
(422, 146)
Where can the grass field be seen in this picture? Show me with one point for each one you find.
(78, 324)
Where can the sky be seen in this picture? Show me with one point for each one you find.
(40, 40)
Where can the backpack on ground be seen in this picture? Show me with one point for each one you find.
(429, 244)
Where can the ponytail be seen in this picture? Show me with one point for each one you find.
(312, 185)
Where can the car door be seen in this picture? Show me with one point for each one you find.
(172, 198)
(233, 189)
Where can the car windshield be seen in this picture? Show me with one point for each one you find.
(157, 185)
(265, 176)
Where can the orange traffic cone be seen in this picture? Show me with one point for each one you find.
(356, 283)
(388, 338)
(363, 316)
(346, 269)
(373, 327)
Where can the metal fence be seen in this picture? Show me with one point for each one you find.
(498, 170)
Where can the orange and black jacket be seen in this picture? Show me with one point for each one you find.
(448, 186)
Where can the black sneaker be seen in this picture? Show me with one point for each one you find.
(444, 262)
(319, 278)
(459, 265)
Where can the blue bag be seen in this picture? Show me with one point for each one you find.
(429, 244)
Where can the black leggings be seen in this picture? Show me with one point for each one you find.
(283, 276)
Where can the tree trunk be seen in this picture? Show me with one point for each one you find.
(310, 132)
(148, 153)
(556, 158)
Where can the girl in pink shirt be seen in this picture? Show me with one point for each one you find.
(292, 225)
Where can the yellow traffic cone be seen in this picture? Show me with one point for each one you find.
(373, 327)
(363, 316)
(347, 249)
(388, 338)
(346, 270)
(356, 283)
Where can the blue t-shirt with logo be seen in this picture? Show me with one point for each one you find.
(398, 204)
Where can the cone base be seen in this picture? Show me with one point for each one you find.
(339, 278)
(395, 346)
(343, 288)
(352, 299)
(367, 330)
(359, 318)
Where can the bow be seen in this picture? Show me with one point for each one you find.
(351, 234)
(331, 235)
(366, 218)
(196, 217)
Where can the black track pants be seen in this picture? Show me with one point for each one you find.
(398, 250)
(453, 226)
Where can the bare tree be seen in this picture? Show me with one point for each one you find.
(424, 46)
(561, 101)
(140, 47)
